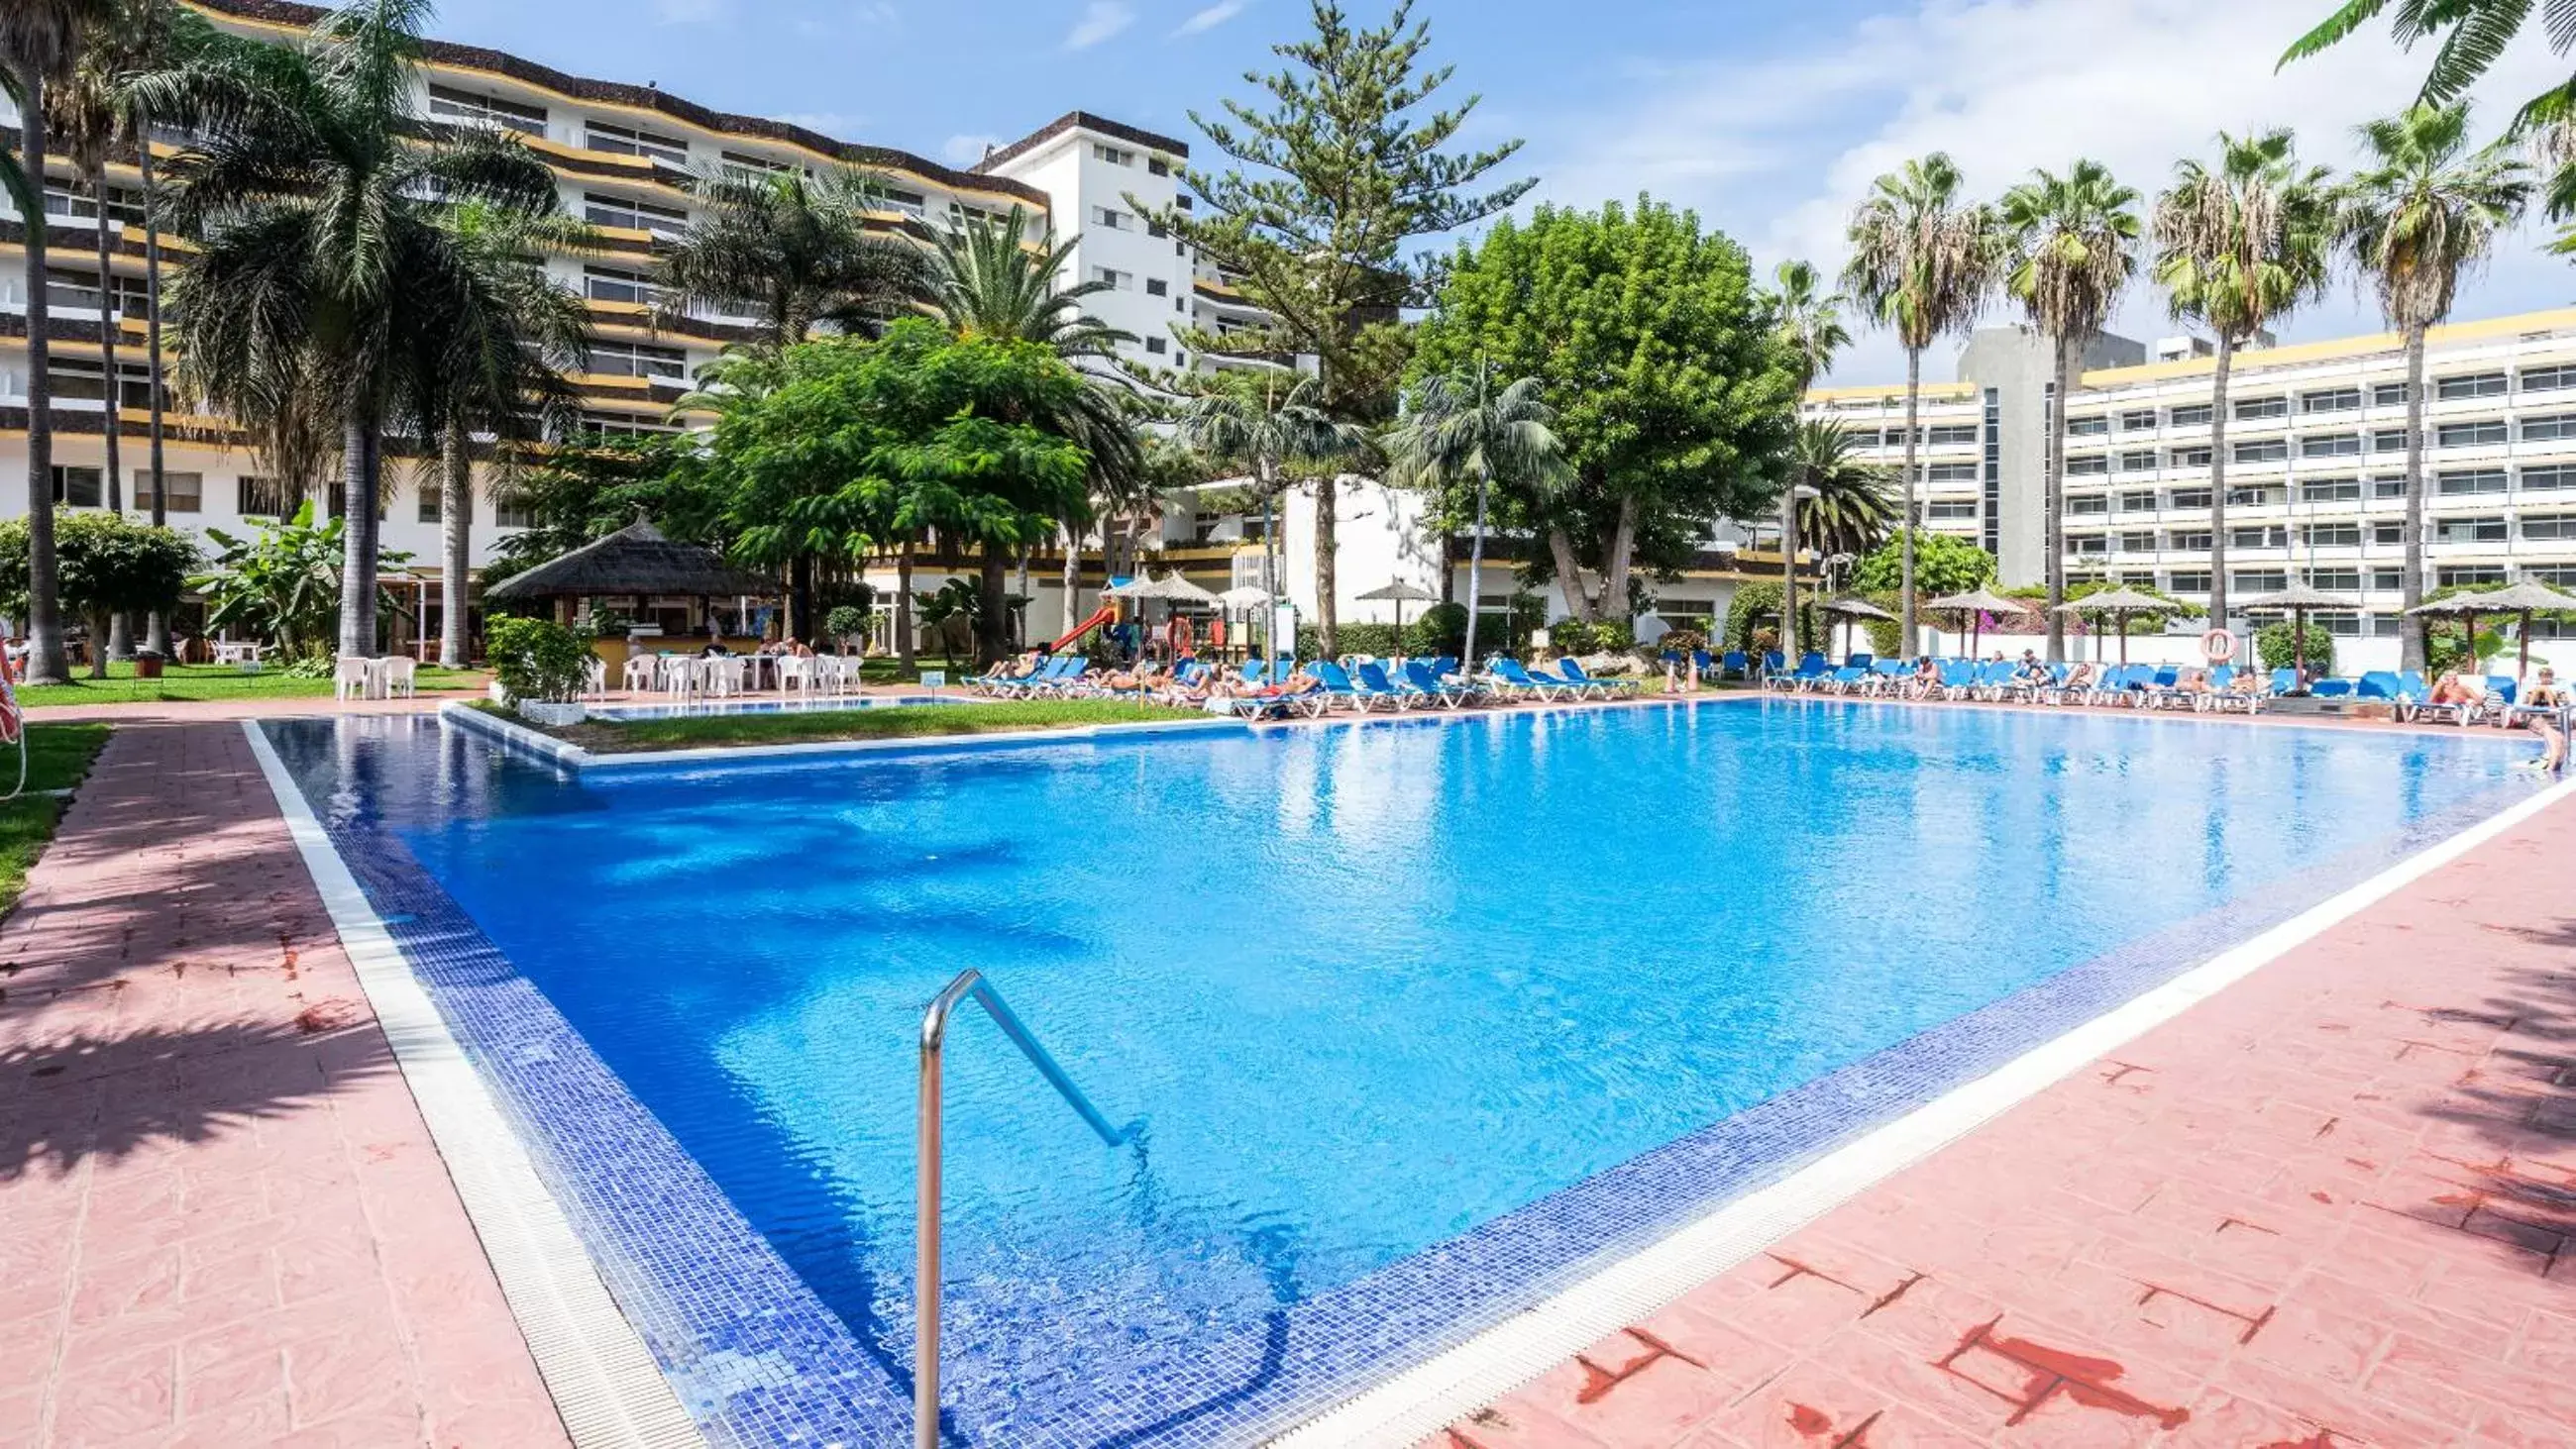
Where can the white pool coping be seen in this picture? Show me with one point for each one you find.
(605, 1383)
(1420, 1401)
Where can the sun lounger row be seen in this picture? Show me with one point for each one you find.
(1311, 689)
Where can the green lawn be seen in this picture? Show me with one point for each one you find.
(58, 756)
(189, 682)
(899, 722)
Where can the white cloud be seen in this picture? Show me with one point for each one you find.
(1776, 150)
(1212, 17)
(1100, 20)
(966, 150)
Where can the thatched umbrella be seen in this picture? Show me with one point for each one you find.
(2465, 607)
(1171, 588)
(1401, 593)
(2296, 601)
(2120, 603)
(2525, 598)
(634, 562)
(1977, 604)
(1851, 609)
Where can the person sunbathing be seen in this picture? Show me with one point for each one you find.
(1927, 676)
(2544, 713)
(2456, 687)
(1143, 676)
(2079, 677)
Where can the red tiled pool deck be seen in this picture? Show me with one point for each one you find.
(222, 1222)
(2333, 1205)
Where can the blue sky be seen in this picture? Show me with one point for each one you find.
(1769, 119)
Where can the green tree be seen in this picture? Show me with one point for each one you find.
(1463, 431)
(1943, 564)
(110, 566)
(594, 485)
(2424, 207)
(1923, 264)
(793, 249)
(2472, 36)
(282, 583)
(1346, 166)
(1845, 505)
(1274, 424)
(1811, 328)
(2074, 247)
(2240, 245)
(1674, 397)
(327, 289)
(40, 40)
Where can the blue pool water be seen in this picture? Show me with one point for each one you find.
(1370, 989)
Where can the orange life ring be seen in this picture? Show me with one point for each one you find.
(2218, 646)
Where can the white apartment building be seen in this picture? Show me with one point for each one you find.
(2315, 474)
(624, 155)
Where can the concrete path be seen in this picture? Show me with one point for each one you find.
(2334, 1205)
(225, 1224)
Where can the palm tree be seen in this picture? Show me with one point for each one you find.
(39, 40)
(2479, 34)
(1922, 265)
(794, 250)
(2074, 246)
(2240, 245)
(1844, 503)
(1460, 429)
(499, 369)
(2423, 208)
(1269, 424)
(326, 278)
(1811, 330)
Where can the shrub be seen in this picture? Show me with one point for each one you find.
(1442, 629)
(539, 660)
(1378, 639)
(2275, 646)
(846, 622)
(1682, 641)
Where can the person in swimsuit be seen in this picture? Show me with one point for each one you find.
(2545, 713)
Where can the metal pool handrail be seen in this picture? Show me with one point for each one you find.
(934, 1038)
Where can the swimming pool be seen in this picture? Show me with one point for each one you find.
(1423, 1019)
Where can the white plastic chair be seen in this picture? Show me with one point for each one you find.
(394, 676)
(797, 676)
(352, 678)
(637, 678)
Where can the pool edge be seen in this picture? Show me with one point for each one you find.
(1417, 1402)
(605, 1383)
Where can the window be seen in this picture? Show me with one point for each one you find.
(1113, 279)
(2387, 533)
(1156, 229)
(2330, 490)
(1157, 287)
(1112, 154)
(1112, 218)
(2190, 458)
(2087, 467)
(510, 511)
(2388, 440)
(2470, 435)
(2131, 422)
(663, 221)
(2475, 384)
(2549, 427)
(1952, 433)
(2347, 580)
(180, 492)
(78, 380)
(628, 141)
(2188, 417)
(2469, 480)
(2256, 495)
(490, 113)
(2137, 503)
(1956, 473)
(910, 203)
(624, 425)
(77, 487)
(2195, 540)
(2089, 546)
(2387, 394)
(2258, 537)
(2469, 530)
(2088, 503)
(2386, 626)
(2331, 445)
(433, 501)
(2138, 462)
(2187, 499)
(2187, 582)
(2549, 477)
(2259, 581)
(2468, 576)
(2250, 408)
(2137, 543)
(1154, 345)
(2557, 576)
(608, 284)
(1157, 166)
(2387, 487)
(264, 497)
(2548, 379)
(2388, 578)
(2092, 427)
(2332, 535)
(2330, 400)
(2262, 450)
(636, 359)
(1956, 509)
(743, 166)
(2553, 525)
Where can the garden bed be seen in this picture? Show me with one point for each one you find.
(984, 717)
(58, 758)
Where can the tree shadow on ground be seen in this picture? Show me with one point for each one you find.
(82, 1096)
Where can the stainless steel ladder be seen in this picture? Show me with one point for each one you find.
(969, 985)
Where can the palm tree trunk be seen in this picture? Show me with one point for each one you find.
(1789, 640)
(46, 663)
(1475, 569)
(1569, 575)
(107, 320)
(1614, 570)
(1905, 553)
(1072, 575)
(2220, 376)
(903, 631)
(456, 539)
(1327, 548)
(2410, 643)
(2052, 507)
(156, 631)
(358, 459)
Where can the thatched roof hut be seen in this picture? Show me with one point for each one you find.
(635, 560)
